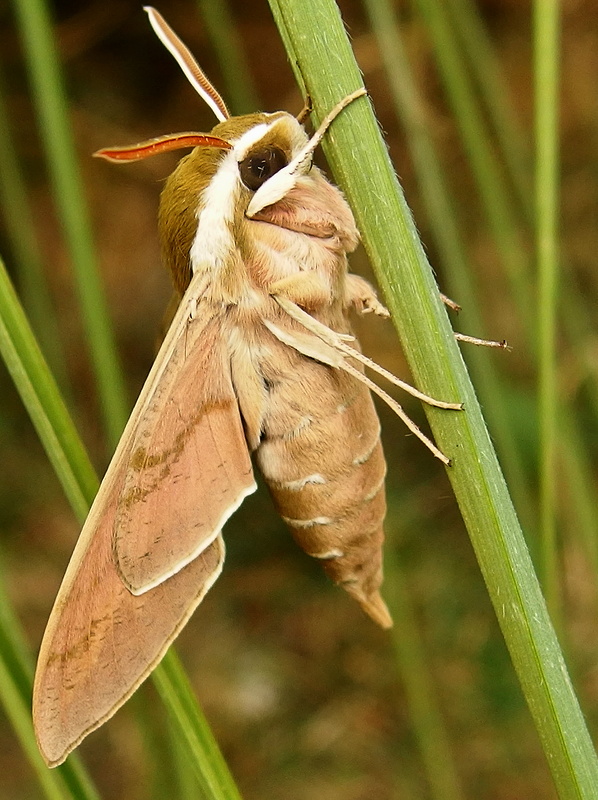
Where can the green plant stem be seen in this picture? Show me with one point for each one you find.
(211, 768)
(478, 48)
(43, 402)
(51, 103)
(428, 724)
(576, 318)
(319, 49)
(496, 203)
(21, 232)
(68, 781)
(546, 60)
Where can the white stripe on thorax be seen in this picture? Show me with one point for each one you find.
(214, 243)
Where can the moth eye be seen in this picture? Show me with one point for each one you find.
(261, 165)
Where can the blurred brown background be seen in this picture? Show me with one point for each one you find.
(302, 690)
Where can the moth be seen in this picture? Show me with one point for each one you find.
(260, 359)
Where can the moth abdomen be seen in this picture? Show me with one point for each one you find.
(340, 522)
(336, 494)
(322, 459)
(355, 527)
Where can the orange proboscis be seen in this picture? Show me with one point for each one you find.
(161, 144)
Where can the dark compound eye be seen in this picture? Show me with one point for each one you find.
(261, 165)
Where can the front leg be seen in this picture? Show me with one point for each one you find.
(362, 296)
(305, 289)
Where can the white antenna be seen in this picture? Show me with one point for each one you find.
(187, 63)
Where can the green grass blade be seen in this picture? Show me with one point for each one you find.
(496, 198)
(428, 724)
(18, 711)
(238, 87)
(184, 777)
(65, 450)
(44, 404)
(51, 103)
(576, 314)
(577, 460)
(318, 46)
(546, 52)
(16, 673)
(21, 234)
(211, 768)
(478, 49)
(496, 201)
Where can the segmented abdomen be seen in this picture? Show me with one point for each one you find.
(322, 459)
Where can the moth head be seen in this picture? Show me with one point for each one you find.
(236, 173)
(263, 144)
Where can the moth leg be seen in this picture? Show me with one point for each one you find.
(362, 296)
(305, 289)
(450, 303)
(305, 111)
(339, 343)
(463, 337)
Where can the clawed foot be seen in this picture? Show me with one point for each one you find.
(370, 305)
(363, 297)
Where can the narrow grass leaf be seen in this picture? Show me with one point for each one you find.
(211, 768)
(477, 47)
(546, 70)
(496, 201)
(52, 109)
(442, 216)
(428, 724)
(237, 84)
(43, 401)
(21, 234)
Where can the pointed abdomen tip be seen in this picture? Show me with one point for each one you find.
(375, 607)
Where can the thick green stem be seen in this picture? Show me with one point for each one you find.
(319, 49)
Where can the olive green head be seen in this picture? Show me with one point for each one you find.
(206, 198)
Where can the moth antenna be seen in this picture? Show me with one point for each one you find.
(161, 144)
(187, 63)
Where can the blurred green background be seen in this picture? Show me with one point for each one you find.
(306, 698)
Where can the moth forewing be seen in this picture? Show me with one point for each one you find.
(102, 640)
(189, 468)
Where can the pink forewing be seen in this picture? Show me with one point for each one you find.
(189, 467)
(102, 641)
